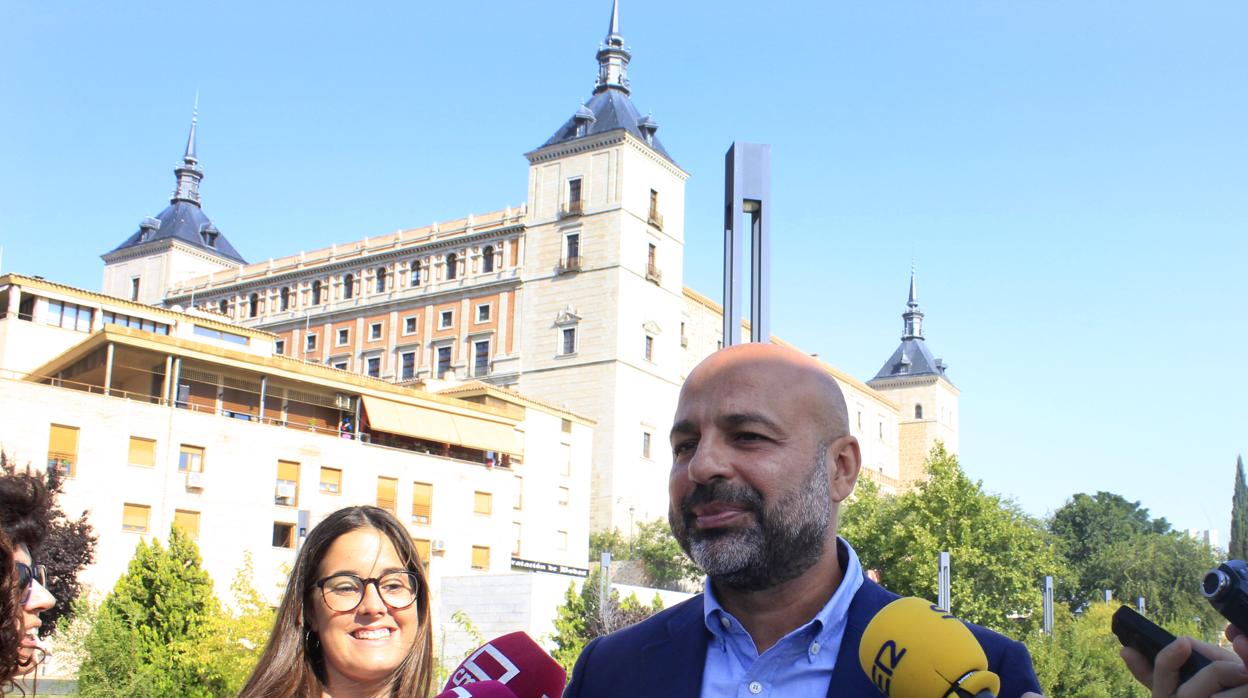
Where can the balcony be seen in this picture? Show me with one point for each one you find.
(653, 273)
(572, 208)
(569, 264)
(655, 218)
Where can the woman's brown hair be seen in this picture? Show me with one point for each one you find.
(291, 665)
(11, 630)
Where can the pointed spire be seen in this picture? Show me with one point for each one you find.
(190, 140)
(189, 173)
(613, 57)
(913, 316)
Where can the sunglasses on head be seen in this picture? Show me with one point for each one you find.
(27, 574)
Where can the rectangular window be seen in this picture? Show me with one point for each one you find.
(142, 452)
(331, 481)
(480, 557)
(566, 426)
(572, 250)
(63, 450)
(482, 503)
(422, 551)
(515, 548)
(481, 358)
(519, 494)
(187, 522)
(287, 492)
(190, 459)
(134, 288)
(444, 361)
(409, 365)
(309, 343)
(279, 347)
(564, 496)
(387, 494)
(565, 459)
(574, 191)
(483, 312)
(374, 331)
(340, 365)
(567, 344)
(409, 325)
(135, 517)
(561, 540)
(422, 503)
(648, 350)
(652, 257)
(374, 366)
(283, 535)
(645, 444)
(445, 319)
(343, 337)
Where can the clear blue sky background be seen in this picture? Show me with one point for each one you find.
(1070, 178)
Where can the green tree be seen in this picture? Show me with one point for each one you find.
(1085, 526)
(580, 619)
(999, 555)
(1081, 659)
(157, 633)
(666, 564)
(239, 632)
(1238, 548)
(1166, 570)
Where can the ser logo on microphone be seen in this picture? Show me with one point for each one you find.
(882, 669)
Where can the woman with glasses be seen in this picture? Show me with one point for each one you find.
(354, 621)
(11, 631)
(23, 504)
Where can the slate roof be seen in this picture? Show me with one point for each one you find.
(912, 358)
(184, 221)
(612, 109)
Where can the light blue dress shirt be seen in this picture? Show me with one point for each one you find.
(798, 666)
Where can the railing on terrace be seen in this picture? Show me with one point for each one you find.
(367, 437)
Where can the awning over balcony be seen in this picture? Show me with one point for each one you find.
(435, 425)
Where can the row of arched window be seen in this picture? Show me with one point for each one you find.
(382, 282)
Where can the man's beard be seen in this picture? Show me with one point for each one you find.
(785, 539)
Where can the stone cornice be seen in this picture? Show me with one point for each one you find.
(330, 267)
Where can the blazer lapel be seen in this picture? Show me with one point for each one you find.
(672, 667)
(848, 678)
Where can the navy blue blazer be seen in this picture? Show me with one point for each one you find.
(662, 656)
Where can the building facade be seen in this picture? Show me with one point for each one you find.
(160, 418)
(574, 297)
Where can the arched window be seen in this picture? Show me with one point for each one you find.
(452, 265)
(348, 286)
(918, 412)
(487, 259)
(224, 306)
(284, 298)
(316, 292)
(253, 305)
(381, 279)
(415, 272)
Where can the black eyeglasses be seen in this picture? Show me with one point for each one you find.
(27, 574)
(345, 592)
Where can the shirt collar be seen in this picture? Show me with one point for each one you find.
(829, 620)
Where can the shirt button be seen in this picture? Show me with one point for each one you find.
(814, 648)
(723, 620)
(756, 687)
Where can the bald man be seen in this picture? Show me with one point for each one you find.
(762, 458)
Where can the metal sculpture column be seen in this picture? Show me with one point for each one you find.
(747, 189)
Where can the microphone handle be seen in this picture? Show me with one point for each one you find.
(959, 693)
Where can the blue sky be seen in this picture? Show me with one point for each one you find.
(1069, 178)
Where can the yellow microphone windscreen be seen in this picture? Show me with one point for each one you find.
(911, 649)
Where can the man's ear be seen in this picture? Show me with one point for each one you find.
(844, 461)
